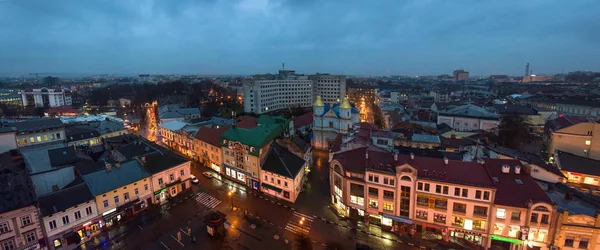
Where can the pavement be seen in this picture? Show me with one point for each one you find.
(258, 221)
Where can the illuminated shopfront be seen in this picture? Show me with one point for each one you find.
(215, 167)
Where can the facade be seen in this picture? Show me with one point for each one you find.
(460, 75)
(170, 175)
(441, 96)
(20, 227)
(582, 139)
(282, 173)
(577, 231)
(82, 136)
(7, 139)
(208, 148)
(332, 88)
(469, 118)
(418, 196)
(178, 136)
(70, 216)
(578, 107)
(578, 170)
(267, 93)
(10, 98)
(329, 120)
(245, 149)
(44, 97)
(38, 131)
(121, 190)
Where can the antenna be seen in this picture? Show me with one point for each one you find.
(527, 73)
(282, 66)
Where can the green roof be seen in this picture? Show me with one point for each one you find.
(267, 119)
(258, 136)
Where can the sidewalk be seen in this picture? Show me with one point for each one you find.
(108, 238)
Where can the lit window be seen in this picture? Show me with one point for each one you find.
(501, 213)
(588, 142)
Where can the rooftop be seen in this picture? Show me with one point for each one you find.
(37, 157)
(513, 109)
(16, 189)
(104, 180)
(564, 122)
(211, 135)
(425, 138)
(303, 120)
(578, 164)
(34, 125)
(514, 189)
(247, 122)
(257, 137)
(173, 125)
(62, 156)
(138, 148)
(78, 133)
(63, 199)
(471, 111)
(159, 162)
(282, 162)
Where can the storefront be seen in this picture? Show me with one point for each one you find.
(88, 229)
(161, 195)
(470, 236)
(215, 167)
(431, 229)
(505, 243)
(235, 174)
(338, 205)
(399, 225)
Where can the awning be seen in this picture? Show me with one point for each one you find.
(276, 189)
(396, 218)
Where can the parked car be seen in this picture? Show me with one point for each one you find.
(194, 179)
(208, 174)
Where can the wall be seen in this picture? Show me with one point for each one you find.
(174, 186)
(577, 227)
(17, 229)
(120, 192)
(40, 138)
(7, 142)
(64, 228)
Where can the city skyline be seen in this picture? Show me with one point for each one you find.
(248, 37)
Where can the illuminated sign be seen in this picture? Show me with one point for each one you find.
(498, 238)
(109, 211)
(468, 224)
(160, 191)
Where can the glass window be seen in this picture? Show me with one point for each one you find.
(419, 186)
(126, 196)
(422, 201)
(4, 227)
(116, 199)
(373, 191)
(421, 214)
(445, 191)
(65, 220)
(583, 243)
(534, 217)
(88, 210)
(459, 207)
(441, 204)
(427, 187)
(146, 187)
(515, 216)
(486, 195)
(26, 220)
(439, 218)
(105, 202)
(172, 177)
(373, 203)
(501, 213)
(388, 206)
(182, 173)
(136, 191)
(438, 189)
(465, 192)
(478, 194)
(456, 191)
(479, 210)
(8, 245)
(52, 224)
(569, 242)
(388, 194)
(77, 215)
(458, 221)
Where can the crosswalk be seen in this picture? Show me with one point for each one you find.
(296, 227)
(207, 200)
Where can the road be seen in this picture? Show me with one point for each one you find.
(270, 223)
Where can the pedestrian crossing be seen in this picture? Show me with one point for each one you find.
(296, 227)
(207, 200)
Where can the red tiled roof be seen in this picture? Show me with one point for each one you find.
(246, 122)
(459, 172)
(303, 120)
(511, 193)
(210, 135)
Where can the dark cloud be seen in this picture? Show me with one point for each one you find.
(251, 36)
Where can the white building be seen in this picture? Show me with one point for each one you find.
(332, 88)
(69, 216)
(469, 118)
(170, 175)
(38, 131)
(43, 97)
(269, 93)
(329, 120)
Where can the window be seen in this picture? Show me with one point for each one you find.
(373, 203)
(583, 243)
(31, 139)
(534, 218)
(331, 124)
(105, 202)
(146, 187)
(30, 237)
(126, 196)
(479, 210)
(52, 224)
(388, 194)
(588, 142)
(4, 227)
(478, 194)
(388, 206)
(116, 199)
(39, 138)
(445, 191)
(419, 186)
(373, 192)
(486, 195)
(286, 194)
(8, 245)
(88, 210)
(266, 178)
(438, 189)
(422, 214)
(501, 213)
(515, 216)
(545, 218)
(357, 200)
(58, 136)
(136, 191)
(441, 204)
(439, 218)
(465, 192)
(456, 191)
(285, 184)
(427, 187)
(404, 201)
(392, 182)
(77, 215)
(278, 182)
(386, 180)
(160, 181)
(458, 221)
(26, 220)
(173, 191)
(65, 220)
(182, 173)
(376, 178)
(45, 137)
(422, 201)
(479, 225)
(459, 207)
(569, 242)
(172, 177)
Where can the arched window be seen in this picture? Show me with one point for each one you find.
(540, 208)
(405, 178)
(337, 169)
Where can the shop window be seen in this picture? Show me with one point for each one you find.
(479, 225)
(373, 203)
(422, 201)
(441, 204)
(459, 207)
(386, 221)
(357, 200)
(57, 243)
(569, 241)
(458, 221)
(388, 206)
(439, 218)
(513, 230)
(421, 214)
(498, 228)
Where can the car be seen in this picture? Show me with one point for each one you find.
(194, 179)
(208, 174)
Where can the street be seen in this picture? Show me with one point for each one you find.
(269, 223)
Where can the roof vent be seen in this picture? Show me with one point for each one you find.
(517, 169)
(412, 156)
(446, 160)
(396, 154)
(108, 166)
(505, 169)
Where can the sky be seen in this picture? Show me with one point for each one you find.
(377, 37)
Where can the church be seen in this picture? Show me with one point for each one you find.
(329, 120)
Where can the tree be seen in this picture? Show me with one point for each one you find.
(514, 131)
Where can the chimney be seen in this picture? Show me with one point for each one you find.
(396, 154)
(412, 156)
(108, 166)
(517, 169)
(367, 154)
(446, 160)
(505, 169)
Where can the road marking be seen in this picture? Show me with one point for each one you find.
(207, 200)
(177, 241)
(165, 245)
(184, 232)
(294, 225)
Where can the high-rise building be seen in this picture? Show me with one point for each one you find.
(332, 88)
(44, 97)
(461, 75)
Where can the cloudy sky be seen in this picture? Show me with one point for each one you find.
(376, 37)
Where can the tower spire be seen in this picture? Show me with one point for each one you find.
(282, 66)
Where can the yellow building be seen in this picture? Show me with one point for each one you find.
(207, 147)
(581, 139)
(577, 231)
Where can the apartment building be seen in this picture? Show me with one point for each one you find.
(38, 131)
(582, 139)
(265, 93)
(169, 174)
(522, 213)
(282, 173)
(245, 149)
(44, 97)
(577, 231)
(332, 88)
(178, 136)
(207, 147)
